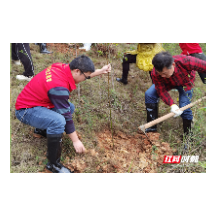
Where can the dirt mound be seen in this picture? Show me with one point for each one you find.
(133, 153)
(124, 153)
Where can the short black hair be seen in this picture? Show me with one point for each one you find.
(162, 60)
(83, 63)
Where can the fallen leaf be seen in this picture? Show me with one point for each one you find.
(37, 135)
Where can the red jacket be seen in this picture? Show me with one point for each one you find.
(35, 93)
(190, 48)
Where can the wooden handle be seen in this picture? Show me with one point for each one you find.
(167, 116)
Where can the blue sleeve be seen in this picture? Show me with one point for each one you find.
(59, 97)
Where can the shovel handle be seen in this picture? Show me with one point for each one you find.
(169, 115)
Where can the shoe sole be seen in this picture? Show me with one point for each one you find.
(23, 79)
(49, 171)
(18, 64)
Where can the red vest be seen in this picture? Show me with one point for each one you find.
(35, 93)
(190, 48)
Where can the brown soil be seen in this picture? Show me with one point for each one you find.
(124, 154)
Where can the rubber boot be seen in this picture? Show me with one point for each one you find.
(122, 80)
(152, 114)
(203, 77)
(43, 49)
(54, 153)
(40, 132)
(187, 129)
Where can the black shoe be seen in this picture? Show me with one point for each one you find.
(54, 153)
(58, 168)
(40, 132)
(122, 80)
(152, 114)
(43, 49)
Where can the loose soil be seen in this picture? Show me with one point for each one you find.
(123, 153)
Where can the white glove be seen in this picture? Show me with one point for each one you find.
(175, 109)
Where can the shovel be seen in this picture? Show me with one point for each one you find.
(167, 116)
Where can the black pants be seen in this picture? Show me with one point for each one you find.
(125, 65)
(21, 51)
(201, 57)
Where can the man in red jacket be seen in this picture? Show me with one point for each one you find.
(194, 50)
(43, 104)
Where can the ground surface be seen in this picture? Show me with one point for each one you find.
(126, 150)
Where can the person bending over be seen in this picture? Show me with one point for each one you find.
(43, 104)
(172, 72)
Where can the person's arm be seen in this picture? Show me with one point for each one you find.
(105, 69)
(59, 97)
(192, 63)
(161, 90)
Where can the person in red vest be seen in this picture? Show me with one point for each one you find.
(194, 50)
(43, 104)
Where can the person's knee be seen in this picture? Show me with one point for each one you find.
(148, 92)
(151, 96)
(187, 114)
(57, 125)
(125, 60)
(61, 122)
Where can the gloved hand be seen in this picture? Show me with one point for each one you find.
(175, 109)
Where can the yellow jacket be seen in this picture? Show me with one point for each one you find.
(145, 53)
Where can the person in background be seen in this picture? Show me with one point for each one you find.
(43, 49)
(142, 57)
(194, 49)
(43, 104)
(21, 52)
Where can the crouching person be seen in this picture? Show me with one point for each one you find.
(43, 104)
(172, 72)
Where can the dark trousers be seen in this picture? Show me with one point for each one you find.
(125, 65)
(202, 57)
(21, 51)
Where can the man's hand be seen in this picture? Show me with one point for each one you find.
(175, 109)
(105, 69)
(79, 147)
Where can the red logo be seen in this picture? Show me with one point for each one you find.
(172, 159)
